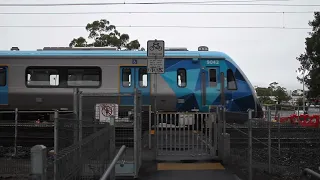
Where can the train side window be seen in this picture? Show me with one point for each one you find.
(182, 77)
(212, 77)
(84, 77)
(126, 77)
(42, 77)
(232, 85)
(3, 77)
(143, 77)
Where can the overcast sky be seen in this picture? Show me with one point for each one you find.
(265, 55)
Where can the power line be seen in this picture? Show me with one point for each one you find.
(134, 3)
(167, 26)
(158, 12)
(207, 3)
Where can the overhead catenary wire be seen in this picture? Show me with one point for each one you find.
(159, 12)
(162, 26)
(206, 3)
(133, 3)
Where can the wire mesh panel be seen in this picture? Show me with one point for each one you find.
(14, 167)
(99, 108)
(279, 150)
(85, 160)
(184, 136)
(67, 128)
(17, 135)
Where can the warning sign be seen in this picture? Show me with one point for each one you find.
(105, 111)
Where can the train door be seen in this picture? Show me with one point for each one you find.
(134, 77)
(3, 85)
(210, 76)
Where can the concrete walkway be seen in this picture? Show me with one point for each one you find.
(184, 171)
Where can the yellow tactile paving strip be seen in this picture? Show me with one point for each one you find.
(189, 166)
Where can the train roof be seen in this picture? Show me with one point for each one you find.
(119, 54)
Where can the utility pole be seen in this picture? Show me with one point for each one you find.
(303, 93)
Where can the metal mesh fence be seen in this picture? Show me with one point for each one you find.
(87, 159)
(279, 150)
(98, 108)
(14, 167)
(19, 131)
(180, 136)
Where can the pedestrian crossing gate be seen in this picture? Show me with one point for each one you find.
(185, 136)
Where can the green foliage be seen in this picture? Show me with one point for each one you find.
(266, 100)
(274, 89)
(310, 59)
(299, 102)
(297, 92)
(104, 34)
(262, 91)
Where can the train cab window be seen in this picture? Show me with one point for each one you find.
(182, 77)
(84, 76)
(212, 77)
(232, 85)
(3, 77)
(126, 77)
(143, 77)
(42, 77)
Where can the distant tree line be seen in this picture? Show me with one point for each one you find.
(274, 89)
(310, 60)
(104, 34)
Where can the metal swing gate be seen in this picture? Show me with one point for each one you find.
(185, 136)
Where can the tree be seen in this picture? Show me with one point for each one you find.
(264, 95)
(297, 92)
(299, 102)
(279, 92)
(262, 91)
(104, 34)
(310, 59)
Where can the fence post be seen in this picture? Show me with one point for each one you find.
(250, 144)
(150, 127)
(218, 124)
(112, 144)
(15, 130)
(215, 134)
(224, 120)
(135, 134)
(80, 132)
(38, 162)
(56, 141)
(76, 113)
(279, 127)
(269, 140)
(80, 118)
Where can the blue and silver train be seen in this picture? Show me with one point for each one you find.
(44, 79)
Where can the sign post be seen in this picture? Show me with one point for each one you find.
(155, 51)
(155, 56)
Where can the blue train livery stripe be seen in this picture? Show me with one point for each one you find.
(239, 100)
(4, 89)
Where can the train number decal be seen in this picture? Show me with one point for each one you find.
(212, 62)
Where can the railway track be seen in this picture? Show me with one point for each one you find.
(284, 142)
(30, 134)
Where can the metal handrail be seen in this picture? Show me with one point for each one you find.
(313, 174)
(106, 174)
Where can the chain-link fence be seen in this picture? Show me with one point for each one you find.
(14, 167)
(87, 159)
(128, 124)
(18, 133)
(266, 149)
(287, 110)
